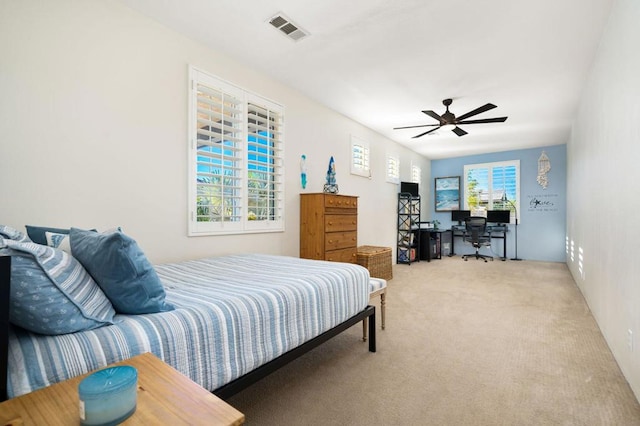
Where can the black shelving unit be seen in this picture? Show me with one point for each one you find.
(408, 245)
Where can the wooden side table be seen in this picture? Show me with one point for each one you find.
(165, 396)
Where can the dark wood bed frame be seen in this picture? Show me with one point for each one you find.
(223, 392)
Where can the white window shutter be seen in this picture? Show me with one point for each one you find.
(393, 169)
(236, 168)
(486, 184)
(360, 157)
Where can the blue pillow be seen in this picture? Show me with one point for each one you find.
(38, 233)
(121, 269)
(12, 234)
(51, 293)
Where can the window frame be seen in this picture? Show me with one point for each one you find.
(490, 168)
(273, 141)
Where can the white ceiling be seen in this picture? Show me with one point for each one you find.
(382, 62)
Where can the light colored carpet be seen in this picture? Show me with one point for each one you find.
(467, 343)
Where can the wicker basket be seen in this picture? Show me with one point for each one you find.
(377, 260)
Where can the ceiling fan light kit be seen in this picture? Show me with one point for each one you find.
(448, 120)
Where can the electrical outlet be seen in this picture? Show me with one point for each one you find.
(630, 339)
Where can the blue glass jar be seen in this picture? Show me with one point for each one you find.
(108, 396)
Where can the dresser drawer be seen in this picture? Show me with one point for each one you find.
(348, 255)
(340, 222)
(340, 204)
(340, 240)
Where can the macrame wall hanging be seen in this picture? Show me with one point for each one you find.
(544, 165)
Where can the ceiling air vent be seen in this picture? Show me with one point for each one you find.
(288, 28)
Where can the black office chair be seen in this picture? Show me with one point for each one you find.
(475, 229)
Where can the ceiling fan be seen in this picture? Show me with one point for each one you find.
(450, 120)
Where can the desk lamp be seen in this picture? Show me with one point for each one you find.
(505, 199)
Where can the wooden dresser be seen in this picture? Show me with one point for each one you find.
(329, 227)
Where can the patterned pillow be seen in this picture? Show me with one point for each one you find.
(12, 234)
(51, 293)
(60, 241)
(38, 233)
(121, 270)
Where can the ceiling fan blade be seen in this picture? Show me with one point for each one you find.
(427, 132)
(458, 131)
(413, 127)
(484, 120)
(477, 111)
(433, 115)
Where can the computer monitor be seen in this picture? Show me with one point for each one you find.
(410, 187)
(459, 215)
(498, 216)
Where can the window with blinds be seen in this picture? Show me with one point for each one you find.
(236, 168)
(416, 174)
(393, 169)
(492, 186)
(360, 157)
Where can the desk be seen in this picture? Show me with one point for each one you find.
(165, 396)
(493, 231)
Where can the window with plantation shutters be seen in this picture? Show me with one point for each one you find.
(416, 173)
(492, 186)
(393, 169)
(360, 157)
(236, 169)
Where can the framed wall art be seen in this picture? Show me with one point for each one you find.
(447, 193)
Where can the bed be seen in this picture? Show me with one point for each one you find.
(236, 319)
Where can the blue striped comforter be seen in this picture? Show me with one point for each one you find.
(233, 314)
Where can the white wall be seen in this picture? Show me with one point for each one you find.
(93, 132)
(604, 191)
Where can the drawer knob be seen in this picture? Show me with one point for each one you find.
(330, 223)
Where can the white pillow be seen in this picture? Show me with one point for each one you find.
(60, 241)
